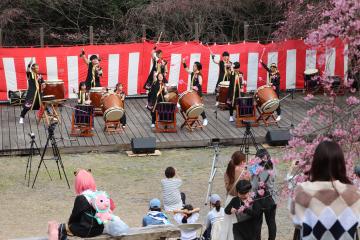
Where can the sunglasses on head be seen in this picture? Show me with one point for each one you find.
(77, 171)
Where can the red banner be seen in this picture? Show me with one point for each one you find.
(130, 63)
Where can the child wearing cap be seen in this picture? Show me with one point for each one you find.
(247, 211)
(187, 215)
(214, 219)
(155, 216)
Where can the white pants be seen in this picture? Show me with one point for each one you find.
(227, 224)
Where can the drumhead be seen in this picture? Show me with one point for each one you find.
(270, 106)
(311, 71)
(224, 84)
(97, 89)
(54, 81)
(195, 111)
(113, 114)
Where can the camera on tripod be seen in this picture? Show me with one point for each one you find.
(51, 128)
(32, 135)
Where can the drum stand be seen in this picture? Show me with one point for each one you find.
(113, 127)
(81, 130)
(56, 154)
(241, 119)
(168, 123)
(53, 105)
(266, 118)
(191, 123)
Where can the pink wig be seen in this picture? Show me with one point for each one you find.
(84, 181)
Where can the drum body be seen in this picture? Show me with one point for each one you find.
(223, 91)
(171, 97)
(311, 77)
(56, 88)
(84, 114)
(267, 99)
(96, 94)
(191, 104)
(245, 106)
(112, 107)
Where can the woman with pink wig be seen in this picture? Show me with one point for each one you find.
(81, 222)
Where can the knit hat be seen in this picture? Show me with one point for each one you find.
(214, 198)
(155, 203)
(243, 186)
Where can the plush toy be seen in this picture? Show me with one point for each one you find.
(101, 202)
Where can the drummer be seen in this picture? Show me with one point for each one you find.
(158, 92)
(94, 71)
(196, 80)
(119, 91)
(158, 65)
(235, 88)
(83, 95)
(224, 70)
(274, 77)
(35, 85)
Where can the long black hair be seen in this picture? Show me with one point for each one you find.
(328, 163)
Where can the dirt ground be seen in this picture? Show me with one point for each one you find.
(131, 182)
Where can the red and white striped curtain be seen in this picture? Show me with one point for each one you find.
(130, 63)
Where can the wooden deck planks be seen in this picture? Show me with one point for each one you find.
(14, 136)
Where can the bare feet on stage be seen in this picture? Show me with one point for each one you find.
(278, 118)
(231, 119)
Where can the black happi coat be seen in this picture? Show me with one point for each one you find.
(33, 97)
(92, 74)
(274, 77)
(195, 82)
(234, 88)
(222, 73)
(150, 80)
(156, 96)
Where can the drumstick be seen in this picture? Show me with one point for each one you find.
(262, 54)
(74, 108)
(209, 49)
(158, 41)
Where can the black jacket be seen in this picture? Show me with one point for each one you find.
(234, 88)
(274, 78)
(195, 82)
(34, 92)
(155, 96)
(81, 222)
(89, 77)
(247, 226)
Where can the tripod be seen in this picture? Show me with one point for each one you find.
(214, 167)
(56, 154)
(248, 136)
(33, 147)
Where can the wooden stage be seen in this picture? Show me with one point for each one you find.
(14, 139)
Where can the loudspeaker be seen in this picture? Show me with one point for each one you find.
(277, 137)
(143, 145)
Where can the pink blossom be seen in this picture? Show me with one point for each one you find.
(352, 100)
(308, 97)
